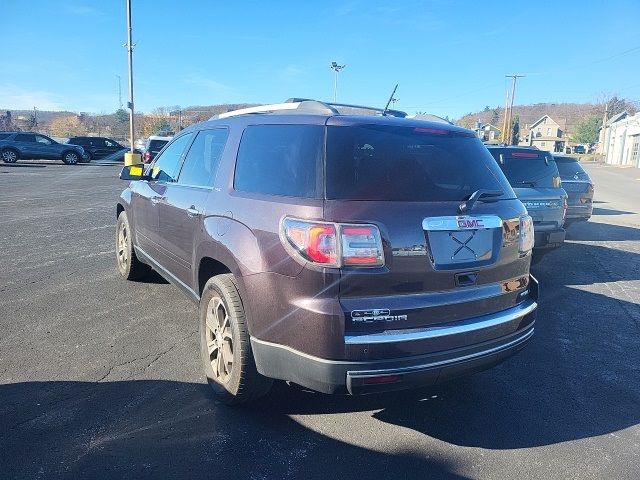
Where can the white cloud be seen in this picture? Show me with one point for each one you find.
(18, 98)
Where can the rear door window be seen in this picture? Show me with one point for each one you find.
(381, 162)
(167, 164)
(281, 160)
(25, 137)
(201, 163)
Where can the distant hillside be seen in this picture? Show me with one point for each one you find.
(564, 113)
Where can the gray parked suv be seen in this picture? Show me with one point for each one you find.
(27, 145)
(343, 253)
(534, 176)
(579, 187)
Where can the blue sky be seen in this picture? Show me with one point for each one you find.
(449, 57)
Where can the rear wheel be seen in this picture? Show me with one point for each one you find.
(224, 344)
(70, 158)
(10, 155)
(129, 267)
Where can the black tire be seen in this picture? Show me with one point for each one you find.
(129, 267)
(9, 155)
(242, 383)
(71, 158)
(88, 159)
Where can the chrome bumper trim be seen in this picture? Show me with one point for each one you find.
(465, 326)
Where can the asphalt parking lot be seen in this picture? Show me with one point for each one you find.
(100, 378)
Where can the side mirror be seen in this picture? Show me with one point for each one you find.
(133, 172)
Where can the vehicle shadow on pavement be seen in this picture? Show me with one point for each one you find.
(22, 165)
(165, 429)
(595, 231)
(610, 211)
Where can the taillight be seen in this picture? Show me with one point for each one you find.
(526, 239)
(565, 206)
(557, 182)
(333, 244)
(361, 245)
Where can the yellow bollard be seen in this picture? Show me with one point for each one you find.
(132, 159)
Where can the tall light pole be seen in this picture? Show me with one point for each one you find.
(337, 68)
(131, 157)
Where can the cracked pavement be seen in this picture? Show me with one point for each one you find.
(100, 378)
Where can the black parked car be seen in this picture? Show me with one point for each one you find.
(29, 145)
(97, 147)
(579, 187)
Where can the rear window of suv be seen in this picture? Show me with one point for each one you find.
(381, 162)
(527, 168)
(569, 168)
(156, 145)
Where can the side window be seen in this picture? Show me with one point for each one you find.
(167, 164)
(109, 143)
(280, 160)
(25, 137)
(43, 140)
(201, 163)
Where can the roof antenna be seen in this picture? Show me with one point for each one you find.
(386, 107)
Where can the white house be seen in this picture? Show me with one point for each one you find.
(621, 140)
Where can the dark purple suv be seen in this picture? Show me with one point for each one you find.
(343, 253)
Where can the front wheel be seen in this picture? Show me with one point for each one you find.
(70, 158)
(224, 344)
(10, 156)
(129, 267)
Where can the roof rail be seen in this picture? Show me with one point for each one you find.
(301, 106)
(393, 113)
(304, 105)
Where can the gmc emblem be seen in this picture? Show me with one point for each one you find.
(470, 223)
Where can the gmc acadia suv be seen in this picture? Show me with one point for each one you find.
(343, 253)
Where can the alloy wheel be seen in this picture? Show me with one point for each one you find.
(219, 339)
(9, 156)
(123, 253)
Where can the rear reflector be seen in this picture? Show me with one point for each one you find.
(381, 380)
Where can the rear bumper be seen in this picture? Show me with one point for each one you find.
(549, 238)
(579, 212)
(355, 377)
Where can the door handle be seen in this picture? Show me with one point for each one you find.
(192, 211)
(156, 199)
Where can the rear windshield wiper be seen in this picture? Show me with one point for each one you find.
(468, 204)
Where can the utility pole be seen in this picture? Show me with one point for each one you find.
(337, 68)
(35, 118)
(504, 119)
(513, 93)
(604, 146)
(119, 91)
(131, 157)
